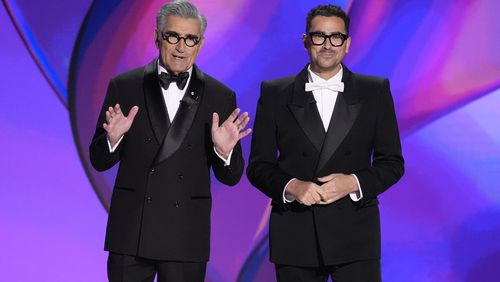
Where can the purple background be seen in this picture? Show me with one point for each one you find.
(439, 223)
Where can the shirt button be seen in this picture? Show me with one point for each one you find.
(177, 204)
(149, 199)
(152, 171)
(180, 176)
(147, 140)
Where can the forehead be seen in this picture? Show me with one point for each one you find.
(327, 24)
(182, 25)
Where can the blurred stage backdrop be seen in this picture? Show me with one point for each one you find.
(440, 223)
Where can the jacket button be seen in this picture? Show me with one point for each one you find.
(147, 140)
(190, 147)
(180, 176)
(177, 204)
(152, 170)
(149, 199)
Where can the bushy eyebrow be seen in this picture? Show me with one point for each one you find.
(176, 33)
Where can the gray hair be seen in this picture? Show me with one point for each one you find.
(183, 9)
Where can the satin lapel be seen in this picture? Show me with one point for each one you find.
(155, 104)
(346, 111)
(303, 106)
(184, 116)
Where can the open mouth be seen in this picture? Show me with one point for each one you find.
(177, 57)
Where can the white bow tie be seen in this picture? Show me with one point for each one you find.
(333, 86)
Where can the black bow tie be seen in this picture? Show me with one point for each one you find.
(180, 80)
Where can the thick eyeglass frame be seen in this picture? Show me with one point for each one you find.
(335, 34)
(174, 38)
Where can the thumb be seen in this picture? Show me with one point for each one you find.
(215, 121)
(132, 113)
(327, 178)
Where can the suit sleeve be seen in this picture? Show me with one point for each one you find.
(263, 169)
(229, 175)
(100, 156)
(387, 161)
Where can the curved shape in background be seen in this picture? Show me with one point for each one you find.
(49, 36)
(439, 55)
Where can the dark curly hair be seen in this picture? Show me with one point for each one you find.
(327, 11)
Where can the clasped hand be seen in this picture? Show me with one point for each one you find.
(333, 188)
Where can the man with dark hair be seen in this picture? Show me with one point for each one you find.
(325, 145)
(159, 218)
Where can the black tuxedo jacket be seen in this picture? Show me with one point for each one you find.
(289, 141)
(161, 201)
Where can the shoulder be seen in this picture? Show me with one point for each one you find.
(133, 75)
(279, 84)
(279, 90)
(369, 81)
(371, 88)
(213, 84)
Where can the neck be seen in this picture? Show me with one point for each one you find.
(326, 74)
(160, 63)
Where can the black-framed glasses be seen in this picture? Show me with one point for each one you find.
(174, 38)
(337, 39)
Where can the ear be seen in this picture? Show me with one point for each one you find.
(304, 40)
(202, 41)
(157, 39)
(347, 44)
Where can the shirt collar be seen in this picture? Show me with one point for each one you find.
(163, 69)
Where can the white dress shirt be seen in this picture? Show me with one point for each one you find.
(325, 101)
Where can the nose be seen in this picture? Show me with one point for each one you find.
(180, 46)
(327, 44)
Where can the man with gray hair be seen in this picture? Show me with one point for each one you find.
(161, 123)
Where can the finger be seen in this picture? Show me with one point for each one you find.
(118, 110)
(323, 194)
(215, 121)
(244, 122)
(105, 126)
(310, 199)
(234, 115)
(133, 112)
(316, 197)
(244, 133)
(241, 119)
(326, 202)
(108, 116)
(111, 111)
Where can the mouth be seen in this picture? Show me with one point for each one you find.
(327, 54)
(178, 57)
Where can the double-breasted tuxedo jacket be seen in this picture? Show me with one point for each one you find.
(289, 141)
(161, 201)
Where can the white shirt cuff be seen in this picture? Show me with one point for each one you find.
(288, 198)
(356, 196)
(226, 162)
(112, 149)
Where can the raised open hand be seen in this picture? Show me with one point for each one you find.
(117, 124)
(229, 132)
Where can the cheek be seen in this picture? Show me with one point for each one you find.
(194, 53)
